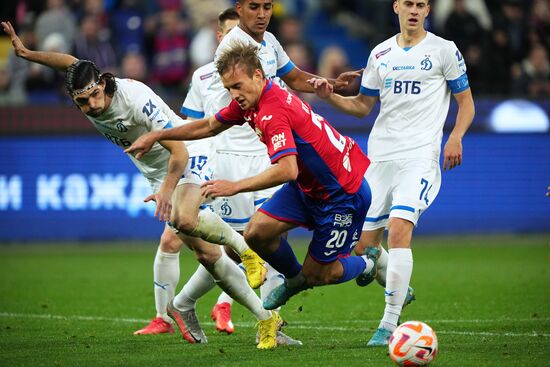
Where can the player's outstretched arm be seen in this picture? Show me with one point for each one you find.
(452, 152)
(176, 166)
(286, 169)
(359, 105)
(198, 129)
(52, 59)
(297, 79)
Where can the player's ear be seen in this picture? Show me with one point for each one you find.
(395, 6)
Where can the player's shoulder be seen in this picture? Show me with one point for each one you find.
(270, 38)
(440, 43)
(130, 86)
(234, 35)
(384, 47)
(204, 72)
(134, 93)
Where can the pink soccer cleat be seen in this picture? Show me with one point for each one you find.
(221, 313)
(156, 326)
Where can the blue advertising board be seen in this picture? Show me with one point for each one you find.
(83, 188)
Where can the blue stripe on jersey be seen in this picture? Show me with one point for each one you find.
(286, 69)
(282, 152)
(256, 202)
(407, 48)
(223, 121)
(192, 113)
(402, 207)
(376, 219)
(369, 92)
(235, 220)
(459, 85)
(168, 125)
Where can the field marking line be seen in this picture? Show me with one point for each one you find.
(295, 325)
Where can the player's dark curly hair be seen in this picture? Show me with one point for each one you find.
(83, 72)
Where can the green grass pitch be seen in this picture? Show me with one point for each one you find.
(487, 297)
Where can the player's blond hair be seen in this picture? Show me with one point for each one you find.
(239, 53)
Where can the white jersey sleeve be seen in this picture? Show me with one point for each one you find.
(194, 103)
(284, 64)
(370, 81)
(454, 67)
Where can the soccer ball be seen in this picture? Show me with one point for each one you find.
(413, 343)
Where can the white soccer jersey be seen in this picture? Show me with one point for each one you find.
(135, 110)
(275, 62)
(204, 93)
(414, 86)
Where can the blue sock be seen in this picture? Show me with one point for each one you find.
(283, 260)
(353, 267)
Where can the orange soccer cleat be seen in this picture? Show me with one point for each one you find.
(156, 326)
(221, 313)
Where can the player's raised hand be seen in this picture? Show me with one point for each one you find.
(321, 86)
(346, 78)
(18, 46)
(142, 145)
(452, 153)
(216, 188)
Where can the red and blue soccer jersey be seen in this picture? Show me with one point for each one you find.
(329, 164)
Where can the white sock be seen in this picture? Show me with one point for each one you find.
(166, 273)
(213, 229)
(273, 280)
(232, 280)
(400, 265)
(198, 285)
(382, 267)
(224, 298)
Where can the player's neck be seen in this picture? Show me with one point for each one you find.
(108, 100)
(410, 39)
(257, 37)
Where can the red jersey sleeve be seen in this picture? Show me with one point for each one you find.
(277, 131)
(231, 115)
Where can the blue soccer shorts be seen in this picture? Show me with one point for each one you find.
(336, 224)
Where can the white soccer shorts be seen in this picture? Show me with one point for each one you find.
(200, 168)
(402, 189)
(238, 209)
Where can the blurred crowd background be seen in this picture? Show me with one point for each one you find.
(506, 43)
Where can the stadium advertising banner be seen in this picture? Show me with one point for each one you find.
(84, 188)
(72, 188)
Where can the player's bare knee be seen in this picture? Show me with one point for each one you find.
(253, 236)
(207, 254)
(400, 233)
(184, 223)
(170, 243)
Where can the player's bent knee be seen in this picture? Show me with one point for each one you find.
(184, 223)
(253, 236)
(207, 254)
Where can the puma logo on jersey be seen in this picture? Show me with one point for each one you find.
(267, 118)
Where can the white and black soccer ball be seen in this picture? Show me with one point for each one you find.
(413, 343)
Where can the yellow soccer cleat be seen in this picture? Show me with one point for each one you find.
(254, 268)
(268, 331)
